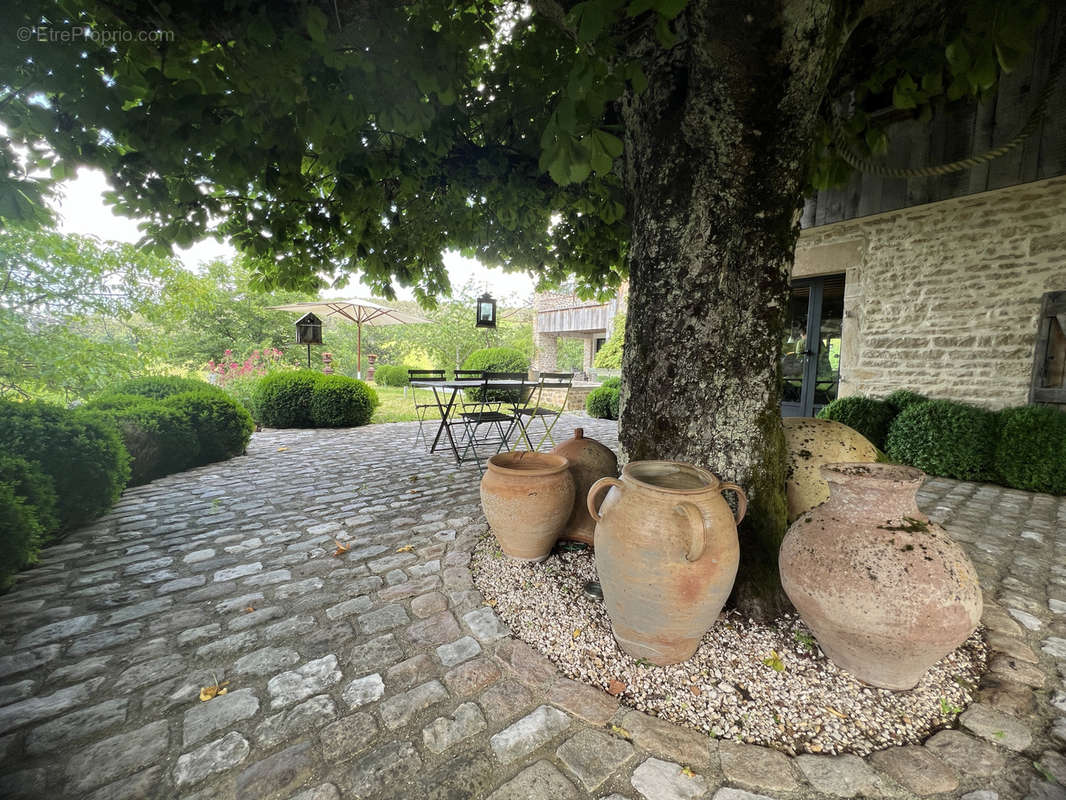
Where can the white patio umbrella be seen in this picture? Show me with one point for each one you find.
(361, 312)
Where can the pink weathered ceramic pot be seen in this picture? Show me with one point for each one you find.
(666, 554)
(886, 592)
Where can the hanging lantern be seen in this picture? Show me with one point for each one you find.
(486, 311)
(308, 330)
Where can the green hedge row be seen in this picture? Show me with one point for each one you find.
(308, 399)
(63, 467)
(1023, 448)
(388, 375)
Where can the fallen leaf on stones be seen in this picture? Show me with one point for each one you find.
(688, 773)
(618, 730)
(774, 662)
(834, 712)
(341, 548)
(577, 633)
(695, 690)
(211, 692)
(814, 748)
(282, 449)
(407, 548)
(615, 687)
(249, 609)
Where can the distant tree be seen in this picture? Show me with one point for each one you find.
(68, 307)
(199, 315)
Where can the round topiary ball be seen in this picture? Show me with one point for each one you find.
(868, 416)
(161, 386)
(602, 403)
(1031, 452)
(945, 438)
(223, 426)
(341, 402)
(283, 399)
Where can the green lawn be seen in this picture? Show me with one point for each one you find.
(394, 406)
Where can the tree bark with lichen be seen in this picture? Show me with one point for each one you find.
(716, 151)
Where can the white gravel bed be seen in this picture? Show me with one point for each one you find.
(768, 685)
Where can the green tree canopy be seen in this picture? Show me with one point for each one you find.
(67, 311)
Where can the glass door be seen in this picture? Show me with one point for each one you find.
(810, 352)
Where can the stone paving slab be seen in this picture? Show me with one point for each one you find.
(322, 581)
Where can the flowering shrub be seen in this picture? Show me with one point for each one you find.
(257, 364)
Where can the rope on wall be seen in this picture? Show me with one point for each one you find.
(1035, 118)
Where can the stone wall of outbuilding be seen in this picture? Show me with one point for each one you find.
(944, 298)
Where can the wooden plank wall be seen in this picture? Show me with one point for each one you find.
(959, 130)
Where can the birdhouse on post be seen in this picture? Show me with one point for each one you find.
(486, 311)
(309, 332)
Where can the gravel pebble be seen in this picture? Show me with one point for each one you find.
(729, 688)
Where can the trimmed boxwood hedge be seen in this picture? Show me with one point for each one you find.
(389, 375)
(283, 399)
(1031, 453)
(27, 514)
(79, 449)
(945, 438)
(159, 387)
(602, 403)
(341, 402)
(222, 426)
(160, 439)
(309, 399)
(904, 398)
(868, 416)
(611, 383)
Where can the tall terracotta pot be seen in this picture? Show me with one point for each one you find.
(666, 554)
(527, 498)
(886, 592)
(589, 461)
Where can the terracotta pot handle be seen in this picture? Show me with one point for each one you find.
(697, 540)
(595, 490)
(742, 500)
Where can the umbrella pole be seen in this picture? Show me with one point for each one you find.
(359, 349)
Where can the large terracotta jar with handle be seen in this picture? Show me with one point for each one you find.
(666, 554)
(527, 498)
(886, 592)
(589, 461)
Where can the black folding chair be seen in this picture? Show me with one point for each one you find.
(533, 410)
(511, 396)
(422, 410)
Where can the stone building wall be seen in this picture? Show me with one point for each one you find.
(944, 298)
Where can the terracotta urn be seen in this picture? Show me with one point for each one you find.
(589, 461)
(812, 443)
(666, 554)
(527, 498)
(886, 592)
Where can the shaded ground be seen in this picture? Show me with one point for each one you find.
(378, 671)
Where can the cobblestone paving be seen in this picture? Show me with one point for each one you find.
(378, 672)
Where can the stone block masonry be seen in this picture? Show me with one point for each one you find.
(943, 298)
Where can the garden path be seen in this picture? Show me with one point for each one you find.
(378, 672)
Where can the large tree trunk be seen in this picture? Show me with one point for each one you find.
(716, 152)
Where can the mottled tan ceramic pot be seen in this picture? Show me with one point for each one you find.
(886, 592)
(527, 498)
(589, 461)
(666, 554)
(811, 444)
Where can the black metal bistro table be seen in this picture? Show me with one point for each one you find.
(445, 394)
